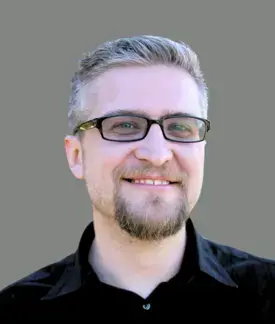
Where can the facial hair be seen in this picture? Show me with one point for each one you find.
(143, 227)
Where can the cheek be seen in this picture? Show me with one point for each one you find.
(113, 154)
(104, 159)
(191, 157)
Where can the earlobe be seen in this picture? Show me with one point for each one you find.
(77, 171)
(74, 156)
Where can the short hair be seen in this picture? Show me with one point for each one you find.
(141, 50)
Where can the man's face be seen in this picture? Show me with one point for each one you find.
(145, 211)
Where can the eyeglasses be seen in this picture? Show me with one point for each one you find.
(132, 128)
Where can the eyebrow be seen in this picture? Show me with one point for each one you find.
(143, 113)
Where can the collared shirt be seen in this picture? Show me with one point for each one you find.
(216, 283)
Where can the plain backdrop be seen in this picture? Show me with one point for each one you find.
(44, 210)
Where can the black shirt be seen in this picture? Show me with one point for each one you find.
(216, 284)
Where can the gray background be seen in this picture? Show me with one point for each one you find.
(43, 208)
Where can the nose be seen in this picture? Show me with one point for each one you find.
(154, 148)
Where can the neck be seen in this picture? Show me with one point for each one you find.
(130, 264)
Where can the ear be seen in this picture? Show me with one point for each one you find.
(73, 151)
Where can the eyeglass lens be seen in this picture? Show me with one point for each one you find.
(121, 128)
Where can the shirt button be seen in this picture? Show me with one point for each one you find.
(146, 306)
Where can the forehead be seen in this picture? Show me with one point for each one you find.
(154, 89)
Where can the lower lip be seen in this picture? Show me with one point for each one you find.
(151, 186)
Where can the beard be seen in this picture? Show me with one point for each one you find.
(155, 218)
(141, 224)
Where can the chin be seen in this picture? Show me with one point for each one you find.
(152, 230)
(152, 224)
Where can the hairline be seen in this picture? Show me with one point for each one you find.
(95, 80)
(148, 51)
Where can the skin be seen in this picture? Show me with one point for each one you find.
(140, 230)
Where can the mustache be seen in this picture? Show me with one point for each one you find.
(168, 173)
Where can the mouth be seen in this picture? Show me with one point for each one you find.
(150, 182)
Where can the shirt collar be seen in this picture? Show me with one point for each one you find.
(198, 249)
(209, 262)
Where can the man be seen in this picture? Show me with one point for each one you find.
(138, 116)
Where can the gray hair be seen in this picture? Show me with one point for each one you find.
(143, 50)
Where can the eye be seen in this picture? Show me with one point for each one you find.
(178, 127)
(124, 125)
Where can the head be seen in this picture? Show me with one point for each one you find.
(146, 177)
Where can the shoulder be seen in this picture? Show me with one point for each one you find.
(37, 284)
(246, 269)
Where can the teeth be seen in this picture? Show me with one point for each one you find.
(151, 182)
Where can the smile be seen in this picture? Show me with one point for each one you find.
(152, 182)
